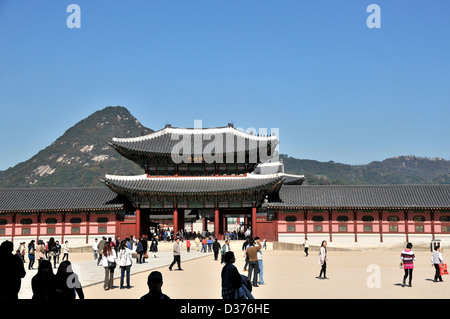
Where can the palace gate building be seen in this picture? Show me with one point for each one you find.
(213, 174)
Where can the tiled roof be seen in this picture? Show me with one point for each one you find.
(191, 185)
(389, 196)
(57, 199)
(165, 140)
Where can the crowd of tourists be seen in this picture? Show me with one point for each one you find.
(64, 284)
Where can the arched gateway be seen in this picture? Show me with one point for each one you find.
(212, 173)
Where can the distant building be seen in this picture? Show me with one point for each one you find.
(217, 174)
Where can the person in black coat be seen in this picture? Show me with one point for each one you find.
(144, 242)
(139, 251)
(154, 246)
(67, 283)
(52, 251)
(216, 248)
(154, 283)
(43, 283)
(11, 272)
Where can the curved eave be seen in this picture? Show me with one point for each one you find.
(271, 184)
(124, 150)
(62, 210)
(291, 207)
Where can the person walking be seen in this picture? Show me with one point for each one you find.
(58, 251)
(209, 243)
(188, 245)
(216, 248)
(306, 247)
(224, 250)
(22, 251)
(408, 257)
(436, 260)
(109, 263)
(66, 251)
(125, 256)
(245, 245)
(197, 243)
(31, 254)
(139, 251)
(252, 253)
(154, 246)
(260, 267)
(144, 242)
(95, 248)
(204, 245)
(43, 284)
(176, 255)
(101, 245)
(51, 248)
(68, 285)
(323, 258)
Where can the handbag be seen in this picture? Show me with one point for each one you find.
(443, 269)
(111, 264)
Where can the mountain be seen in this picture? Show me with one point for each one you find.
(397, 170)
(82, 156)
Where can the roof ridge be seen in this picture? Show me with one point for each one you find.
(200, 130)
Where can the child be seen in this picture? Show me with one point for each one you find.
(188, 245)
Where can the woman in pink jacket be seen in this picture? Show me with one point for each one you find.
(408, 259)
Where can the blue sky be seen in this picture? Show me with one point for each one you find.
(335, 89)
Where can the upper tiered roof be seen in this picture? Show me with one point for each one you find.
(163, 142)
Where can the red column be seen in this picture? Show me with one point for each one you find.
(254, 221)
(13, 229)
(380, 223)
(204, 223)
(63, 222)
(88, 225)
(38, 226)
(432, 214)
(405, 215)
(175, 221)
(217, 223)
(138, 223)
(330, 224)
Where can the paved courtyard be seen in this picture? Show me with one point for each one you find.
(287, 274)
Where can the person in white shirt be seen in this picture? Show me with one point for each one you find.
(95, 248)
(66, 251)
(108, 262)
(306, 247)
(436, 260)
(125, 256)
(260, 264)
